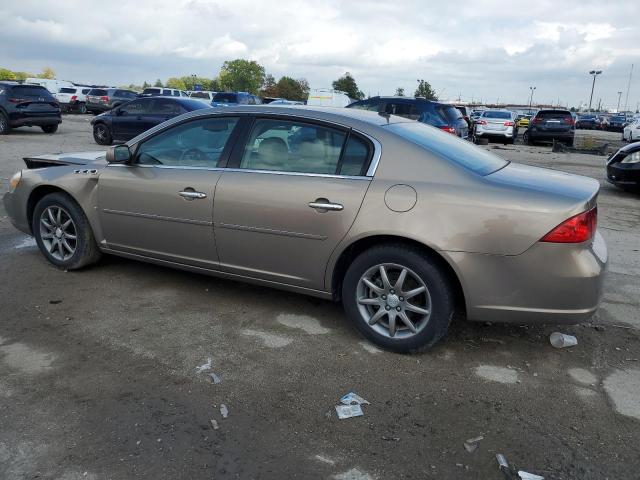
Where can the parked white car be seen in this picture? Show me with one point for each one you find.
(631, 132)
(206, 95)
(72, 98)
(498, 124)
(52, 84)
(163, 92)
(325, 97)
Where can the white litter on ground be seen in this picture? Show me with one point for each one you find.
(323, 459)
(28, 242)
(270, 340)
(623, 388)
(497, 374)
(204, 366)
(305, 323)
(353, 474)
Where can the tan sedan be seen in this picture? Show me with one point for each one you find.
(404, 224)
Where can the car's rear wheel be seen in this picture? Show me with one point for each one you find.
(398, 298)
(82, 108)
(49, 128)
(63, 233)
(101, 134)
(5, 127)
(526, 138)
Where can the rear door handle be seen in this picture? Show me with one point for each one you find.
(322, 204)
(192, 195)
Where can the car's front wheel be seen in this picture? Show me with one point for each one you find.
(101, 134)
(398, 298)
(50, 128)
(63, 232)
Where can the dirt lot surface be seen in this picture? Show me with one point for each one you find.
(98, 374)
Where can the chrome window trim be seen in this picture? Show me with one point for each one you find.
(371, 171)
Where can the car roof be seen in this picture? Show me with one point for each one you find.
(409, 99)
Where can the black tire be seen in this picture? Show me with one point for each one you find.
(82, 108)
(569, 143)
(49, 128)
(86, 249)
(5, 126)
(526, 138)
(421, 264)
(101, 134)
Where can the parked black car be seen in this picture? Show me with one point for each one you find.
(441, 115)
(226, 99)
(27, 106)
(617, 123)
(623, 167)
(549, 125)
(132, 118)
(587, 122)
(103, 99)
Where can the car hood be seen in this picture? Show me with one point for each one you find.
(93, 159)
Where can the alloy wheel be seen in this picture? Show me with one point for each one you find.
(101, 133)
(393, 300)
(58, 232)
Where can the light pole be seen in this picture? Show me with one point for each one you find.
(531, 97)
(595, 73)
(619, 95)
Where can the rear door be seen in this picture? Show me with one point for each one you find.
(164, 109)
(161, 206)
(291, 193)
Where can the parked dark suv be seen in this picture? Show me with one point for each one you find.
(441, 115)
(549, 125)
(27, 106)
(224, 99)
(103, 99)
(131, 119)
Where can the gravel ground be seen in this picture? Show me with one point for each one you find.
(98, 374)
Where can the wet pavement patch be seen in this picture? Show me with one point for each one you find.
(497, 374)
(20, 356)
(270, 340)
(308, 324)
(623, 388)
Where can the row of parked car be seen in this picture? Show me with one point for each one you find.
(611, 123)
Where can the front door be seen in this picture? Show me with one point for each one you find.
(161, 205)
(293, 193)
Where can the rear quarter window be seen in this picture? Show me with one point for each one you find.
(449, 147)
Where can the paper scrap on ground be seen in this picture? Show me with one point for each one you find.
(349, 411)
(204, 366)
(353, 398)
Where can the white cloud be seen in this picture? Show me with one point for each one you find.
(479, 48)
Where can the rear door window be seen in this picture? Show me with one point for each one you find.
(137, 107)
(292, 146)
(163, 106)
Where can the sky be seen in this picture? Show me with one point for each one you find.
(482, 49)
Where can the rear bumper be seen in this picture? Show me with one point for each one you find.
(22, 119)
(97, 107)
(542, 135)
(510, 132)
(549, 283)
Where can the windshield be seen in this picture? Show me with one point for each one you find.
(500, 115)
(226, 98)
(449, 147)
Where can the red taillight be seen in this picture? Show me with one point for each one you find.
(104, 99)
(569, 121)
(17, 100)
(508, 124)
(74, 98)
(482, 122)
(537, 120)
(448, 129)
(577, 229)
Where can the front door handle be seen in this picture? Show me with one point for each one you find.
(324, 205)
(192, 194)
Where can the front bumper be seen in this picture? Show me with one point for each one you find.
(624, 174)
(549, 283)
(16, 210)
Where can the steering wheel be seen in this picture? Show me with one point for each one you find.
(193, 154)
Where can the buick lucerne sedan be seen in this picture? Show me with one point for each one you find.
(404, 224)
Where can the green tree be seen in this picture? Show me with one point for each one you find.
(347, 84)
(158, 83)
(399, 92)
(22, 76)
(6, 74)
(424, 90)
(269, 87)
(47, 72)
(241, 76)
(178, 83)
(145, 85)
(293, 89)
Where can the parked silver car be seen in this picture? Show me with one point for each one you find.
(403, 223)
(496, 124)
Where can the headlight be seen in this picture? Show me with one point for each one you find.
(15, 181)
(633, 158)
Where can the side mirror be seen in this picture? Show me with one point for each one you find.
(119, 154)
(120, 112)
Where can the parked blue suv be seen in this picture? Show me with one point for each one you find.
(27, 106)
(441, 115)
